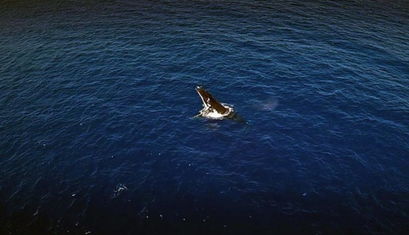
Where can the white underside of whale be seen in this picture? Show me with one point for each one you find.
(211, 113)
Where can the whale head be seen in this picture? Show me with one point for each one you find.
(209, 102)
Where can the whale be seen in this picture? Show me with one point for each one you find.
(213, 109)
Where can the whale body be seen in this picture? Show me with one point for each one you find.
(212, 108)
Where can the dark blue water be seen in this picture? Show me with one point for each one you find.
(97, 100)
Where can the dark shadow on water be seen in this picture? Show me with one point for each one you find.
(253, 213)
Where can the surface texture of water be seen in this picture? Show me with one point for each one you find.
(97, 100)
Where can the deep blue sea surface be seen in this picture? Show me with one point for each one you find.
(97, 134)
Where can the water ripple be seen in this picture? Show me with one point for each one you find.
(97, 100)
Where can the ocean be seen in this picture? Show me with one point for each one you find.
(97, 127)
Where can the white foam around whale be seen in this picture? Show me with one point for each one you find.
(211, 113)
